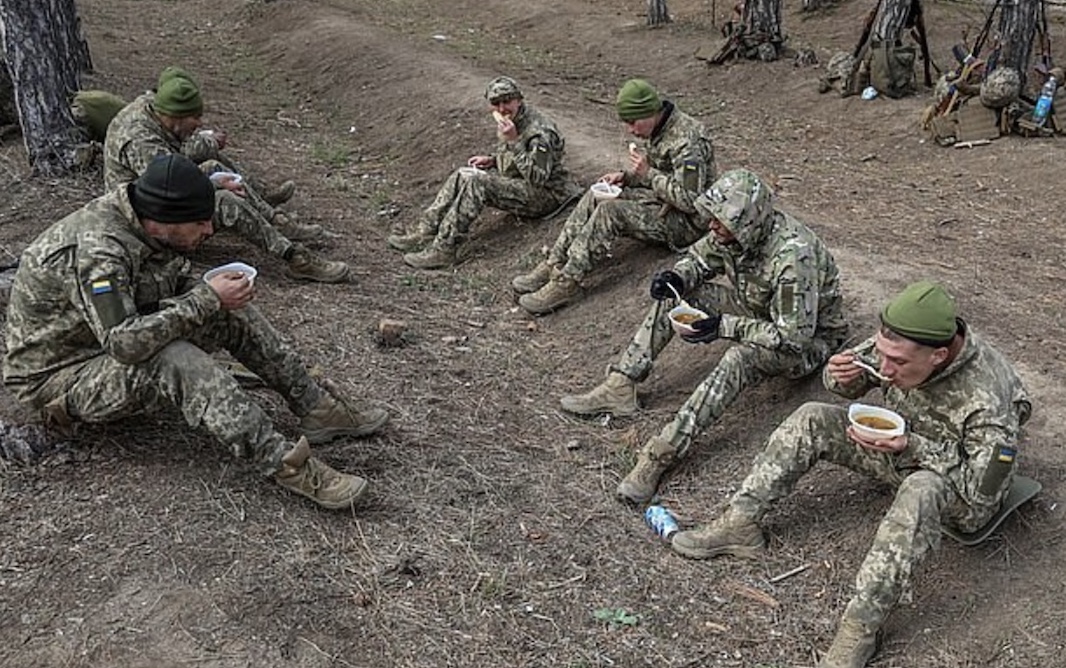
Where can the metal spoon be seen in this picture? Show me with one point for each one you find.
(866, 367)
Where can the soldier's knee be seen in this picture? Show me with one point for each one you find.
(181, 356)
(922, 483)
(816, 413)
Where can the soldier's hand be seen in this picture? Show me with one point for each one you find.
(482, 161)
(663, 281)
(638, 163)
(220, 137)
(506, 130)
(234, 290)
(890, 446)
(614, 178)
(841, 368)
(706, 329)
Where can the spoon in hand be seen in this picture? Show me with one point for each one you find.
(866, 367)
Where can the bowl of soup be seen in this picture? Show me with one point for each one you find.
(875, 423)
(682, 316)
(602, 190)
(247, 270)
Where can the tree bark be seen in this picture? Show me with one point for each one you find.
(1018, 23)
(45, 54)
(761, 24)
(891, 20)
(658, 14)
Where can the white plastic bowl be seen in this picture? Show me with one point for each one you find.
(471, 171)
(218, 177)
(683, 314)
(239, 267)
(601, 190)
(858, 411)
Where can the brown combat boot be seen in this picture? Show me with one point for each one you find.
(557, 293)
(617, 395)
(333, 418)
(281, 194)
(654, 459)
(534, 280)
(433, 256)
(294, 230)
(729, 534)
(852, 647)
(306, 266)
(410, 243)
(307, 476)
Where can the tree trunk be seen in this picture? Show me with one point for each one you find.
(761, 24)
(1018, 22)
(8, 114)
(891, 20)
(658, 14)
(45, 55)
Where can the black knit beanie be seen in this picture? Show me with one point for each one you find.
(173, 190)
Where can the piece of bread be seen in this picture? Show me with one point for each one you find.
(500, 118)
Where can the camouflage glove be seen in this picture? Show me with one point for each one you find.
(663, 281)
(706, 329)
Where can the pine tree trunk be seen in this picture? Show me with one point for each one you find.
(8, 114)
(45, 53)
(1018, 23)
(658, 14)
(890, 21)
(761, 28)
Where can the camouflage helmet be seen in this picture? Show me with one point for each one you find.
(502, 89)
(1000, 87)
(743, 203)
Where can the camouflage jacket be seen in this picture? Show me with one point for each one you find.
(681, 159)
(95, 283)
(787, 280)
(135, 137)
(961, 421)
(536, 156)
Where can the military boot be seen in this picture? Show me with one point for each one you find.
(332, 418)
(293, 230)
(281, 194)
(557, 293)
(434, 256)
(729, 534)
(534, 280)
(310, 477)
(852, 647)
(306, 266)
(410, 243)
(654, 459)
(617, 395)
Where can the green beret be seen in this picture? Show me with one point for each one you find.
(178, 97)
(924, 313)
(637, 100)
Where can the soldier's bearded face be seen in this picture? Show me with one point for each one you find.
(906, 363)
(183, 237)
(643, 127)
(187, 126)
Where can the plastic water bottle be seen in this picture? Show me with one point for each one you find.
(1043, 103)
(661, 521)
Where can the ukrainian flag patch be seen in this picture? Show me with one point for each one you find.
(102, 287)
(1006, 455)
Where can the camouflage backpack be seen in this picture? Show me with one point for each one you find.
(93, 111)
(892, 69)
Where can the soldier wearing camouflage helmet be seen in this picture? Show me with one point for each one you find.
(779, 305)
(656, 205)
(105, 321)
(525, 176)
(168, 121)
(964, 406)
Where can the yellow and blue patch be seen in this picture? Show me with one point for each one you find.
(1006, 455)
(102, 287)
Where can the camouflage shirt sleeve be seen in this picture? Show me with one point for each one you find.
(200, 147)
(793, 304)
(680, 183)
(104, 293)
(533, 158)
(138, 153)
(701, 262)
(865, 382)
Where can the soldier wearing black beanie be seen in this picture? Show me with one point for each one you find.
(173, 190)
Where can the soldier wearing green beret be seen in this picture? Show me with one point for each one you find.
(525, 176)
(168, 121)
(964, 407)
(673, 165)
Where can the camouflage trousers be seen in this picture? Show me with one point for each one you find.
(740, 366)
(184, 375)
(593, 225)
(466, 193)
(908, 531)
(248, 219)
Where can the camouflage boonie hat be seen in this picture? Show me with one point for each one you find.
(737, 198)
(1001, 87)
(502, 89)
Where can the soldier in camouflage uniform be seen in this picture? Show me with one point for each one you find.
(780, 303)
(964, 406)
(105, 322)
(167, 121)
(664, 178)
(524, 177)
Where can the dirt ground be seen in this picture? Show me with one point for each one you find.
(493, 537)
